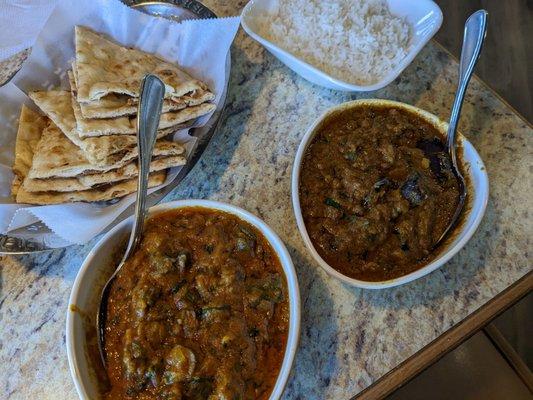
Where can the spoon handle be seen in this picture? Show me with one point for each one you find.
(148, 115)
(474, 34)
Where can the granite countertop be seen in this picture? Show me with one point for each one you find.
(350, 337)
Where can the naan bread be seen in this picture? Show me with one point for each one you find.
(15, 185)
(127, 125)
(56, 156)
(107, 192)
(100, 151)
(89, 181)
(58, 105)
(104, 67)
(31, 125)
(117, 105)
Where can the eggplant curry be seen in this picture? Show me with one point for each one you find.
(199, 312)
(377, 191)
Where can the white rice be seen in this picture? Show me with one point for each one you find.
(356, 41)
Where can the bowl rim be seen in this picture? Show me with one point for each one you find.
(293, 335)
(339, 83)
(480, 196)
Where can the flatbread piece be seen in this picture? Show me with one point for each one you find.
(100, 151)
(90, 181)
(31, 124)
(56, 156)
(107, 192)
(104, 67)
(127, 125)
(117, 105)
(30, 129)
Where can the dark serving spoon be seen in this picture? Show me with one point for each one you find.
(148, 115)
(474, 34)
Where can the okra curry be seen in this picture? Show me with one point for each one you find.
(377, 191)
(199, 312)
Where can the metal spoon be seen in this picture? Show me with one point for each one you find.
(148, 115)
(474, 34)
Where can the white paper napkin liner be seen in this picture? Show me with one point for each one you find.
(25, 19)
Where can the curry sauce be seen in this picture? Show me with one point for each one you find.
(199, 312)
(377, 191)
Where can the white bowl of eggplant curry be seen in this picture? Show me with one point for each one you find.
(373, 191)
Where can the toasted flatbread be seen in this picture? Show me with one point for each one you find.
(127, 125)
(56, 156)
(15, 185)
(100, 151)
(106, 192)
(58, 105)
(90, 181)
(117, 105)
(31, 125)
(104, 67)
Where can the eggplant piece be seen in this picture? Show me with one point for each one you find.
(439, 160)
(383, 183)
(412, 190)
(441, 166)
(431, 146)
(377, 192)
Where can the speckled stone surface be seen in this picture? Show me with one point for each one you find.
(350, 337)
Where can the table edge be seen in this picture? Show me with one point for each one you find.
(448, 341)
